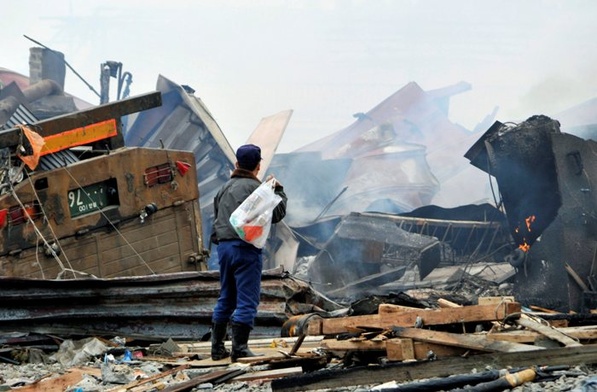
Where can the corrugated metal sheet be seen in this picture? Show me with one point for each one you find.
(21, 116)
(48, 162)
(56, 160)
(160, 306)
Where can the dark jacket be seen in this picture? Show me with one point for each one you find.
(241, 184)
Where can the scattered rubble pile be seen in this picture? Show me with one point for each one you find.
(493, 344)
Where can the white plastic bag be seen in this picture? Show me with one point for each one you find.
(252, 220)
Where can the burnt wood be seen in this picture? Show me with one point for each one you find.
(403, 372)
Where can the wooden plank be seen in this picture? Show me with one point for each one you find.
(403, 316)
(62, 382)
(271, 354)
(353, 345)
(268, 374)
(197, 363)
(408, 349)
(392, 315)
(421, 350)
(474, 342)
(550, 332)
(543, 310)
(314, 326)
(495, 300)
(444, 303)
(334, 326)
(274, 343)
(516, 336)
(264, 355)
(402, 372)
(586, 332)
(576, 277)
(563, 323)
(151, 379)
(213, 377)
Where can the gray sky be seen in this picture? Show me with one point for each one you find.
(325, 59)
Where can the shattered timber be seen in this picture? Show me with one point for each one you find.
(387, 257)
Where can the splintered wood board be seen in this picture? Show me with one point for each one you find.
(469, 341)
(402, 316)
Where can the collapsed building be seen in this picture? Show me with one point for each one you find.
(387, 204)
(375, 207)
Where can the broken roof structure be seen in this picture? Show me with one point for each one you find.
(412, 123)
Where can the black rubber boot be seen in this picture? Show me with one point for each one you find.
(218, 334)
(240, 339)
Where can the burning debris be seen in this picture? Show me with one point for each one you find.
(544, 178)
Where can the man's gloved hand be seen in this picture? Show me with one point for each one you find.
(276, 182)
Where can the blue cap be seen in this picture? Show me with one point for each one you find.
(248, 156)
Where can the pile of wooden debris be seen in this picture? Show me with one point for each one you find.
(410, 343)
(449, 345)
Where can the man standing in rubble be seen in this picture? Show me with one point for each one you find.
(241, 263)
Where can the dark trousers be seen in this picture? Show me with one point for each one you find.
(240, 279)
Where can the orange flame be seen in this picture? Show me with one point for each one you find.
(528, 221)
(525, 246)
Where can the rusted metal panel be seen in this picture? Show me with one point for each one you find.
(514, 155)
(119, 227)
(571, 239)
(166, 242)
(125, 168)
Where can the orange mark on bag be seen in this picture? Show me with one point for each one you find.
(252, 232)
